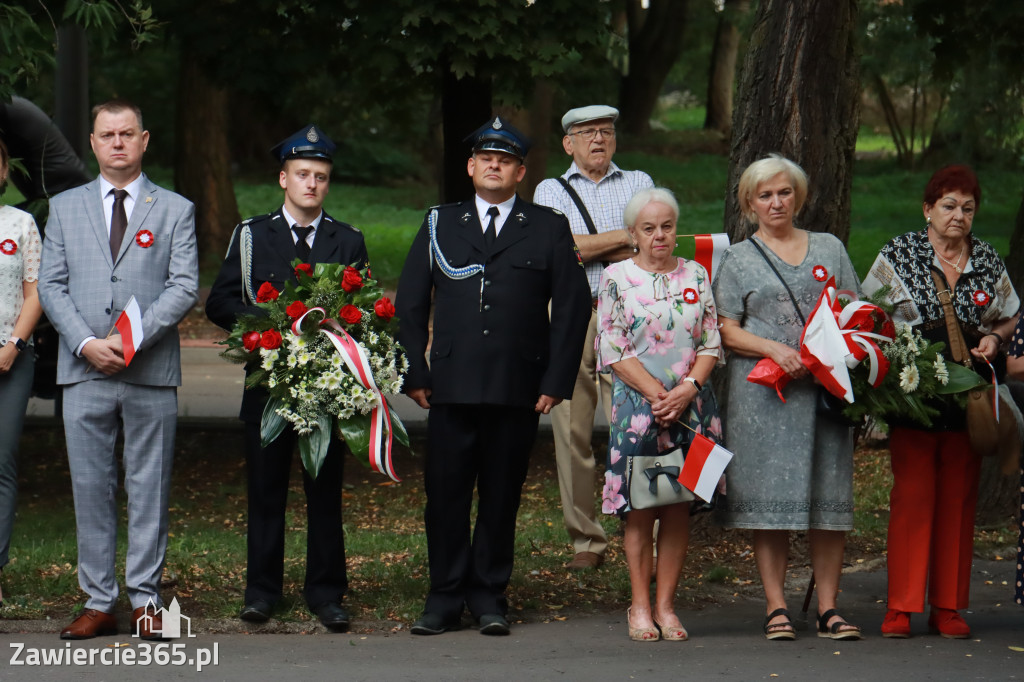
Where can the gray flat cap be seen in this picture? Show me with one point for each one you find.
(594, 112)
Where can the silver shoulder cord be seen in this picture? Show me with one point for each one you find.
(435, 256)
(245, 251)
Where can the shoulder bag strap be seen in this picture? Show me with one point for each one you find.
(591, 228)
(957, 344)
(792, 298)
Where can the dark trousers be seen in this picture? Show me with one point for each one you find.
(486, 447)
(268, 472)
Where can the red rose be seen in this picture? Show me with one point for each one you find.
(384, 308)
(351, 280)
(267, 292)
(250, 340)
(270, 339)
(350, 313)
(296, 310)
(304, 267)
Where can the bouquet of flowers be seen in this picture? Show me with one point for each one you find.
(904, 376)
(325, 352)
(918, 378)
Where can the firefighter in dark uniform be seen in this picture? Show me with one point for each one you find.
(491, 265)
(262, 250)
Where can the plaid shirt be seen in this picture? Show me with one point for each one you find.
(605, 200)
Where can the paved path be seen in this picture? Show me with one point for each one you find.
(725, 644)
(211, 388)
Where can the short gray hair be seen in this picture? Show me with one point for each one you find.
(654, 195)
(764, 170)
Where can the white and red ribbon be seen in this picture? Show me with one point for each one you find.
(354, 356)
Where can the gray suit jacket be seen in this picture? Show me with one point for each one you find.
(83, 291)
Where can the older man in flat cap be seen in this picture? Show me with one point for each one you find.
(593, 193)
(262, 250)
(490, 266)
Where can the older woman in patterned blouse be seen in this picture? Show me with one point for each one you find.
(935, 473)
(19, 313)
(658, 332)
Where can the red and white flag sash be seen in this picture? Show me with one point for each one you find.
(703, 466)
(354, 357)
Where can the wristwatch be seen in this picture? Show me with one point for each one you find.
(696, 384)
(18, 343)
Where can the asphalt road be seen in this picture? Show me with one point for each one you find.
(725, 644)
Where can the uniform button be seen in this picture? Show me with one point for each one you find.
(487, 332)
(529, 262)
(113, 278)
(487, 306)
(487, 282)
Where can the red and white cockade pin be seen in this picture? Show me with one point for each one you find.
(981, 297)
(8, 247)
(690, 295)
(820, 273)
(144, 238)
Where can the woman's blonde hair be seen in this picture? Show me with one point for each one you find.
(658, 195)
(763, 170)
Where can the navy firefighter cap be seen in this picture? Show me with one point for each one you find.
(499, 135)
(308, 143)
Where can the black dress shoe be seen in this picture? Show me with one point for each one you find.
(333, 616)
(494, 624)
(256, 611)
(434, 624)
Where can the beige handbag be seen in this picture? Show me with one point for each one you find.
(987, 436)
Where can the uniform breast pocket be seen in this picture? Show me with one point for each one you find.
(460, 255)
(268, 273)
(530, 263)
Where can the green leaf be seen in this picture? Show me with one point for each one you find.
(960, 379)
(313, 446)
(272, 423)
(356, 432)
(398, 428)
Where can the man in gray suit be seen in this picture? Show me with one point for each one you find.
(117, 237)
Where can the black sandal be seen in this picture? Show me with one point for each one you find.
(834, 632)
(775, 630)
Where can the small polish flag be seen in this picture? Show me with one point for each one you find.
(129, 326)
(704, 464)
(710, 248)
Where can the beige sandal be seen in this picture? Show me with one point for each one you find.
(641, 634)
(672, 633)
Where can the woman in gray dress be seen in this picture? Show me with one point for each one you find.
(792, 469)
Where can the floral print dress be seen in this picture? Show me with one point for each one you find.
(665, 320)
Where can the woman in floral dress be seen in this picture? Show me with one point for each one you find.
(658, 333)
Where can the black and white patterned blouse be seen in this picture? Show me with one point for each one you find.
(983, 294)
(1017, 340)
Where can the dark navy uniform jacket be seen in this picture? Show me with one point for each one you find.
(273, 250)
(496, 347)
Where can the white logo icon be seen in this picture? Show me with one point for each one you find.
(170, 617)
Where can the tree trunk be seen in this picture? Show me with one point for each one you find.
(722, 73)
(465, 106)
(540, 120)
(71, 91)
(655, 42)
(1015, 261)
(799, 96)
(202, 161)
(997, 498)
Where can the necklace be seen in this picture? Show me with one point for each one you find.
(956, 265)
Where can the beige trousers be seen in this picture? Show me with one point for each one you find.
(572, 422)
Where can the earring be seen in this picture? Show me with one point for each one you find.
(928, 223)
(636, 249)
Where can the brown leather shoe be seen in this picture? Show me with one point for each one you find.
(150, 628)
(91, 623)
(584, 561)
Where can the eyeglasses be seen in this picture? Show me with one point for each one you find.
(590, 133)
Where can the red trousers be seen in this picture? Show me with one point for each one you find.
(931, 519)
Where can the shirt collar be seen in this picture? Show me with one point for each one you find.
(292, 221)
(133, 188)
(504, 208)
(575, 170)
